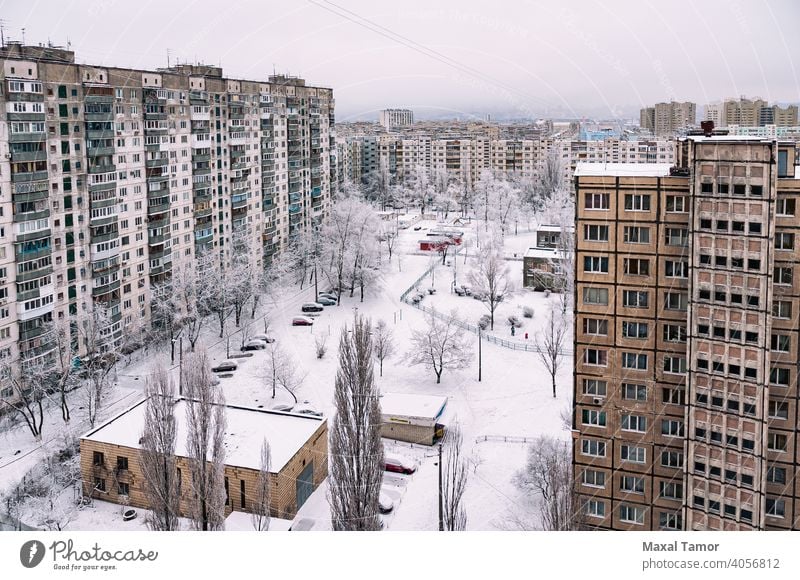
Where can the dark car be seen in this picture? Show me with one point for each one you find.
(254, 344)
(225, 366)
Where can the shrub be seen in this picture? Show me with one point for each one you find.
(527, 312)
(483, 321)
(514, 321)
(319, 346)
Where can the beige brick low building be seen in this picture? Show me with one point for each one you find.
(412, 418)
(110, 465)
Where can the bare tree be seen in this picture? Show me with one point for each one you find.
(166, 312)
(454, 480)
(548, 474)
(550, 179)
(550, 343)
(65, 376)
(261, 514)
(442, 345)
(356, 450)
(205, 446)
(241, 277)
(491, 277)
(96, 330)
(157, 454)
(320, 346)
(382, 342)
(26, 379)
(280, 370)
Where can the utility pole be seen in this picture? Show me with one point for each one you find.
(479, 354)
(441, 506)
(180, 367)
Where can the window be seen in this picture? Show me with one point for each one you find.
(595, 264)
(123, 488)
(98, 458)
(677, 204)
(636, 267)
(776, 474)
(776, 441)
(593, 418)
(596, 357)
(595, 233)
(677, 236)
(672, 459)
(675, 364)
(676, 269)
(99, 484)
(670, 521)
(593, 478)
(595, 296)
(242, 502)
(634, 329)
(671, 428)
(122, 463)
(637, 202)
(595, 387)
(227, 493)
(779, 376)
(781, 343)
(783, 275)
(676, 301)
(785, 207)
(634, 392)
(675, 333)
(631, 514)
(632, 454)
(635, 298)
(634, 360)
(784, 241)
(596, 326)
(596, 201)
(776, 508)
(636, 235)
(707, 187)
(636, 423)
(671, 490)
(753, 264)
(595, 509)
(593, 447)
(631, 484)
(782, 309)
(754, 227)
(778, 410)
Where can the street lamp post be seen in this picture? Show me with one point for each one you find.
(480, 360)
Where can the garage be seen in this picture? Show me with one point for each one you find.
(412, 418)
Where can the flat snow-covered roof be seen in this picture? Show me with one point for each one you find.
(243, 522)
(622, 169)
(544, 253)
(422, 406)
(286, 433)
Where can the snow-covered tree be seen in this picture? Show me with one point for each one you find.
(443, 345)
(387, 234)
(96, 332)
(356, 450)
(65, 375)
(507, 206)
(281, 370)
(550, 178)
(419, 188)
(157, 454)
(548, 474)
(27, 380)
(454, 479)
(550, 341)
(490, 276)
(241, 276)
(382, 342)
(261, 512)
(205, 445)
(166, 312)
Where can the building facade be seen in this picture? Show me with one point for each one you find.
(396, 118)
(668, 118)
(686, 332)
(112, 178)
(750, 113)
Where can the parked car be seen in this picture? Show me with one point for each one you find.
(225, 366)
(254, 344)
(302, 321)
(305, 408)
(264, 337)
(398, 464)
(459, 291)
(385, 503)
(285, 407)
(417, 228)
(326, 301)
(311, 307)
(331, 295)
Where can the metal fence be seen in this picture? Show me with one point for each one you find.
(505, 439)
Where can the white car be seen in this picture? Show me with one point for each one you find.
(385, 503)
(254, 344)
(284, 407)
(305, 408)
(264, 337)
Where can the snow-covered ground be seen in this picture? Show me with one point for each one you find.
(513, 399)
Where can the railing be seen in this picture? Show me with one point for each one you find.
(505, 439)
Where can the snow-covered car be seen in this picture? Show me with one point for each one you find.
(385, 503)
(225, 366)
(284, 407)
(302, 321)
(398, 464)
(254, 344)
(331, 295)
(417, 228)
(326, 301)
(305, 408)
(264, 337)
(312, 307)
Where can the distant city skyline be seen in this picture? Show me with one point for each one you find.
(453, 59)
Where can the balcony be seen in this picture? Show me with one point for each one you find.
(107, 168)
(19, 156)
(316, 191)
(29, 176)
(202, 213)
(151, 163)
(238, 201)
(202, 235)
(201, 158)
(158, 223)
(106, 288)
(295, 208)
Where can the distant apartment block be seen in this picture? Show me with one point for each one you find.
(396, 118)
(666, 119)
(750, 113)
(111, 178)
(687, 309)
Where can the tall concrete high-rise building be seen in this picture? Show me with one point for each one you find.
(686, 339)
(668, 118)
(745, 112)
(111, 178)
(396, 118)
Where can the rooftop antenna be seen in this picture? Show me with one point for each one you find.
(167, 58)
(23, 36)
(2, 32)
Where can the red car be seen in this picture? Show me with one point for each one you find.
(399, 464)
(302, 321)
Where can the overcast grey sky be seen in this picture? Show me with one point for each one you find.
(524, 58)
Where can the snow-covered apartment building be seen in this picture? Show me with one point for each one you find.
(111, 178)
(686, 337)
